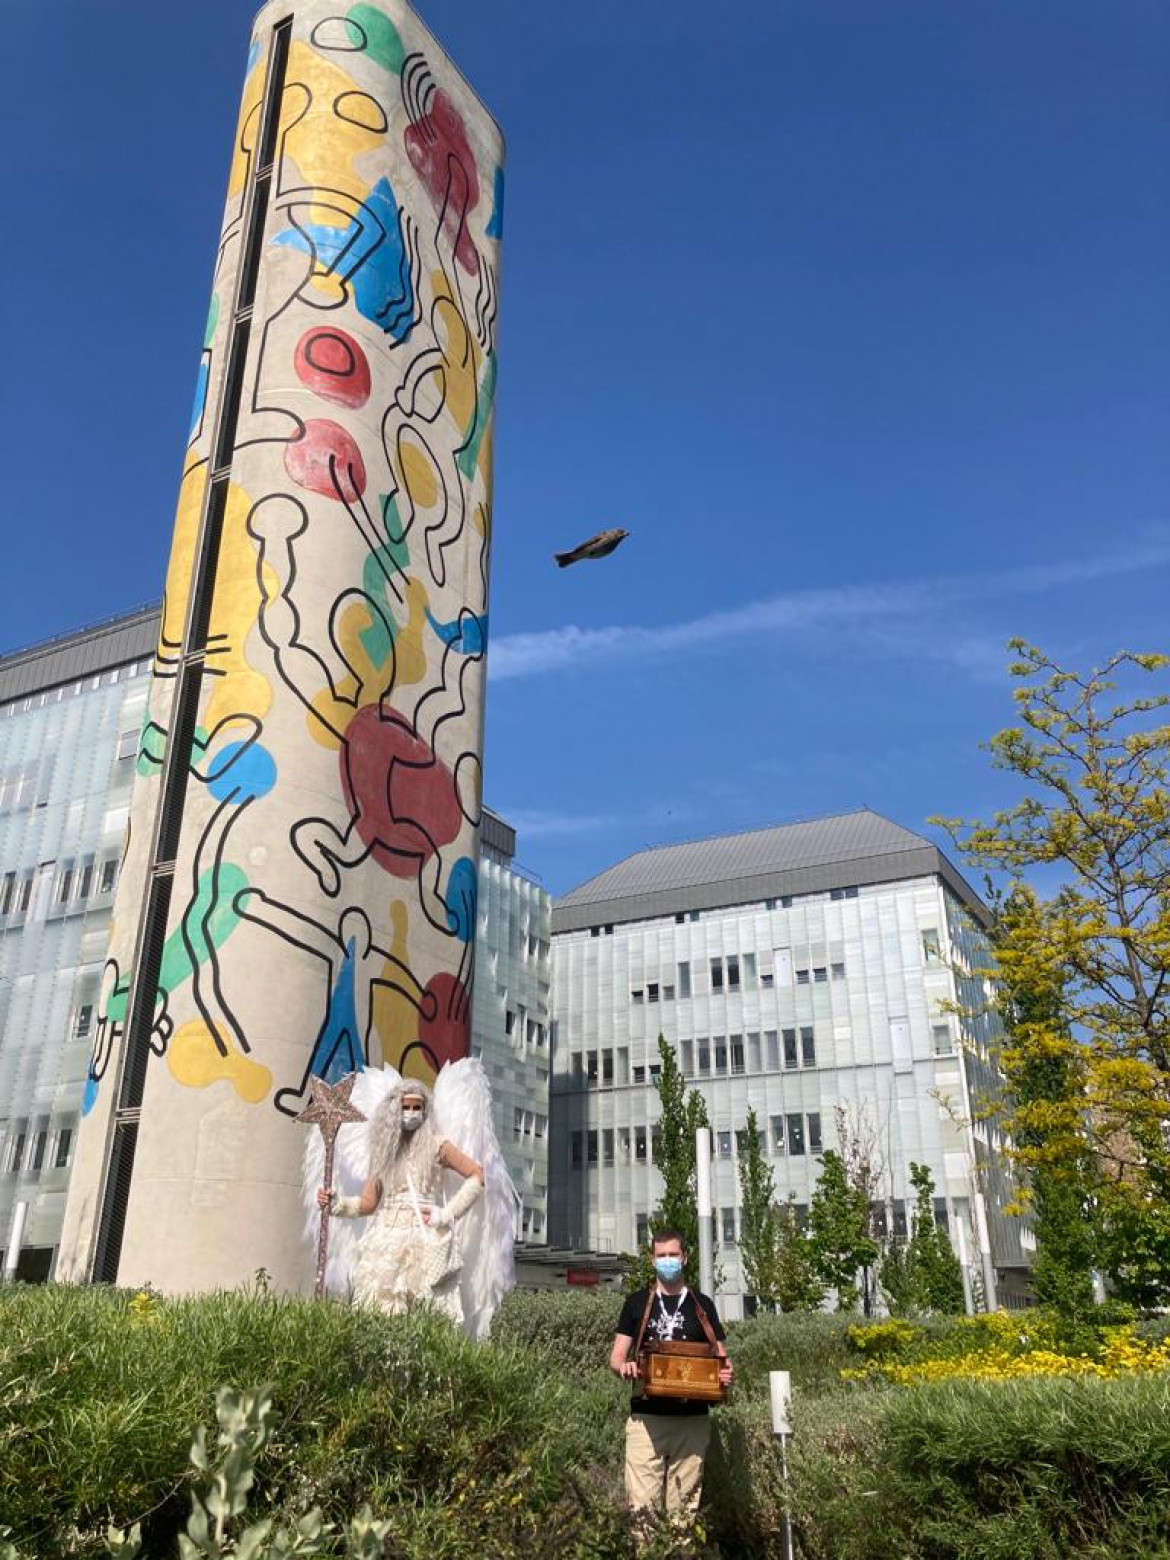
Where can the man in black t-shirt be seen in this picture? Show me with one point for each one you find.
(666, 1438)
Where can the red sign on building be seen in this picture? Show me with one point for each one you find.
(583, 1278)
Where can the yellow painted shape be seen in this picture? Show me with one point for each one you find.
(240, 690)
(245, 138)
(324, 147)
(418, 473)
(395, 1017)
(183, 539)
(410, 665)
(410, 660)
(195, 1061)
(461, 353)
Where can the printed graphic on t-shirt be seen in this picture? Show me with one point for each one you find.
(666, 1326)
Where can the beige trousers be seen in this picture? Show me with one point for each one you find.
(664, 1461)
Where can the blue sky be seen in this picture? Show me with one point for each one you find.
(854, 314)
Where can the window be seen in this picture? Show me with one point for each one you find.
(655, 1071)
(25, 895)
(509, 1021)
(643, 1228)
(931, 951)
(942, 1216)
(609, 931)
(749, 971)
(716, 974)
(83, 1020)
(652, 991)
(577, 1065)
(814, 1133)
(18, 1154)
(607, 1146)
(128, 744)
(899, 1218)
(575, 1156)
(591, 1146)
(595, 931)
(607, 1069)
(639, 1075)
(944, 1044)
(64, 885)
(624, 1144)
(772, 1050)
(879, 1221)
(86, 882)
(737, 1053)
(517, 1122)
(795, 1134)
(838, 971)
(680, 917)
(723, 1144)
(808, 1047)
(753, 1053)
(655, 1143)
(540, 1124)
(684, 979)
(64, 1142)
(766, 980)
(820, 974)
(640, 1144)
(790, 1048)
(591, 1067)
(704, 1056)
(802, 977)
(668, 993)
(777, 1134)
(7, 893)
(720, 1054)
(109, 877)
(687, 1057)
(636, 997)
(843, 893)
(733, 973)
(38, 1153)
(729, 1226)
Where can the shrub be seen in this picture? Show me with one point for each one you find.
(812, 1346)
(571, 1328)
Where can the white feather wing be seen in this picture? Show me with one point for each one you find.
(487, 1231)
(351, 1161)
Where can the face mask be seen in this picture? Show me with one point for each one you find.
(668, 1268)
(412, 1120)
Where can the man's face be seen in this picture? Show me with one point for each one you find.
(668, 1248)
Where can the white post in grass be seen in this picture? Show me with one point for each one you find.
(780, 1383)
(15, 1236)
(703, 1199)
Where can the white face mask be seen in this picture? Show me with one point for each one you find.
(412, 1120)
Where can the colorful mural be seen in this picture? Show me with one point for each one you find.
(326, 606)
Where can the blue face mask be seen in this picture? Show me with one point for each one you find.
(669, 1269)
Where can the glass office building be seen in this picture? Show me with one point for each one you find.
(71, 713)
(809, 973)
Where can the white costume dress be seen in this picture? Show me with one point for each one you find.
(402, 1260)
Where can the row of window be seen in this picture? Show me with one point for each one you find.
(886, 1220)
(717, 1057)
(25, 1156)
(75, 882)
(519, 1026)
(739, 972)
(527, 1124)
(782, 902)
(793, 1134)
(38, 701)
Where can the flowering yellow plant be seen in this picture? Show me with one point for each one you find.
(1122, 1354)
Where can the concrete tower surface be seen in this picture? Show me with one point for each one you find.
(298, 893)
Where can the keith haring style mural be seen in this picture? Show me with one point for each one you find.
(301, 861)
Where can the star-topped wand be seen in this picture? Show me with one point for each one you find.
(330, 1109)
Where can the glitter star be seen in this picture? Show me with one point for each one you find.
(329, 1106)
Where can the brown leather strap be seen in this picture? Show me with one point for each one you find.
(705, 1323)
(645, 1320)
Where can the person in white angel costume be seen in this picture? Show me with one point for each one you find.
(427, 1221)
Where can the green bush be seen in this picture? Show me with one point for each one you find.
(813, 1346)
(468, 1450)
(571, 1328)
(1041, 1469)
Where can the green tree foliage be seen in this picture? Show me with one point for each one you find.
(684, 1111)
(1096, 808)
(839, 1230)
(931, 1256)
(897, 1278)
(798, 1284)
(758, 1244)
(1044, 1069)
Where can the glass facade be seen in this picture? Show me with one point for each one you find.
(811, 1010)
(511, 1013)
(67, 756)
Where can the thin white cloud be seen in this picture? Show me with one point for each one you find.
(866, 606)
(550, 825)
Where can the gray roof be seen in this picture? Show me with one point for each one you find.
(847, 849)
(131, 636)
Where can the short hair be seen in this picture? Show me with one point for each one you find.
(660, 1237)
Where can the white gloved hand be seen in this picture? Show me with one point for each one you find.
(346, 1207)
(443, 1217)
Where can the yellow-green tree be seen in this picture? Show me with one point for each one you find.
(1092, 830)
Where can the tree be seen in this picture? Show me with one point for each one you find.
(1096, 809)
(838, 1220)
(1044, 1071)
(757, 1218)
(935, 1272)
(798, 1285)
(860, 1145)
(898, 1279)
(683, 1112)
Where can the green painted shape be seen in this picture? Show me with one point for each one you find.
(483, 408)
(152, 749)
(388, 559)
(215, 894)
(382, 40)
(212, 321)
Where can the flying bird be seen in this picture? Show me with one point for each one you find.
(599, 546)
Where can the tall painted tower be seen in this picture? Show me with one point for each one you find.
(299, 881)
